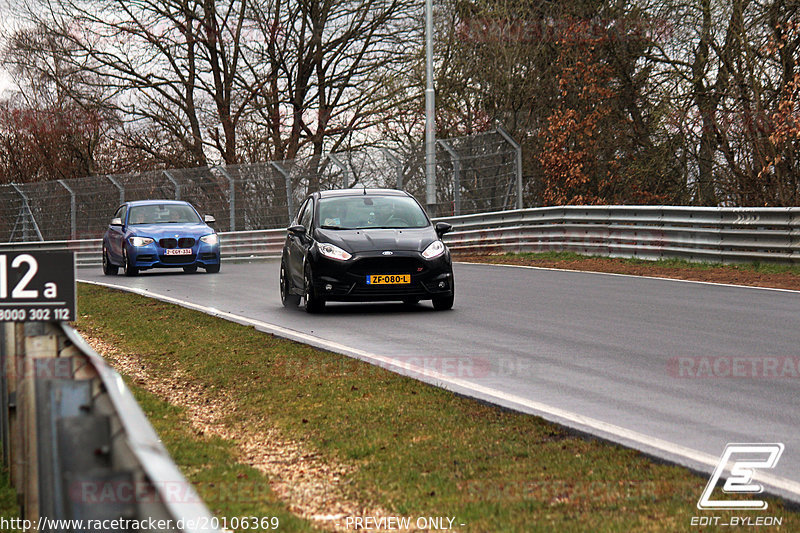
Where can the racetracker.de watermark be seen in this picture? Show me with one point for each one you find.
(108, 492)
(734, 367)
(469, 367)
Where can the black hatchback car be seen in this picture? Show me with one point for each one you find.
(365, 245)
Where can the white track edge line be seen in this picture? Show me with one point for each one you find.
(582, 422)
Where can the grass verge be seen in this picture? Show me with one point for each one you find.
(229, 488)
(418, 451)
(8, 497)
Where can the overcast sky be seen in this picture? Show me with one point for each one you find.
(5, 80)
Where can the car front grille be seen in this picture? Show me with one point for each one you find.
(387, 265)
(183, 242)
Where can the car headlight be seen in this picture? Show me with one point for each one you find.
(210, 239)
(334, 252)
(434, 249)
(140, 241)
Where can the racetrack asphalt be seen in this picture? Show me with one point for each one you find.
(675, 369)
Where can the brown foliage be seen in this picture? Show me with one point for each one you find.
(46, 144)
(583, 139)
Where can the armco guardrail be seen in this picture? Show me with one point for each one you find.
(711, 234)
(237, 245)
(78, 446)
(724, 235)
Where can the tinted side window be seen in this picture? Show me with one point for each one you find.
(301, 211)
(307, 215)
(121, 213)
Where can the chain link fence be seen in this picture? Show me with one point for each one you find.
(474, 174)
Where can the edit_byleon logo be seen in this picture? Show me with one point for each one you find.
(744, 459)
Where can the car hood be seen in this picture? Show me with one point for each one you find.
(368, 240)
(160, 231)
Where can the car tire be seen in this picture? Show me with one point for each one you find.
(213, 269)
(126, 264)
(313, 302)
(287, 298)
(108, 268)
(443, 303)
(190, 269)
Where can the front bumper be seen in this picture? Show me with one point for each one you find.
(346, 281)
(154, 256)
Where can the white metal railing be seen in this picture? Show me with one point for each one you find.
(709, 234)
(77, 445)
(724, 235)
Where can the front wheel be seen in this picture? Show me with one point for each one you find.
(213, 269)
(314, 303)
(443, 303)
(108, 268)
(288, 299)
(130, 270)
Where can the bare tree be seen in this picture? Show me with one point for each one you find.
(186, 76)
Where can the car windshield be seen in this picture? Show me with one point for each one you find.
(366, 211)
(162, 214)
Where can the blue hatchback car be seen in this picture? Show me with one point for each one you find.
(159, 234)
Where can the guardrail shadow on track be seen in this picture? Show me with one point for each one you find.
(77, 445)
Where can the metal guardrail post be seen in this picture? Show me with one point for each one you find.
(231, 198)
(518, 160)
(119, 187)
(72, 210)
(174, 183)
(289, 194)
(398, 167)
(456, 175)
(77, 444)
(347, 175)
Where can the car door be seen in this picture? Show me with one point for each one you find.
(298, 244)
(116, 236)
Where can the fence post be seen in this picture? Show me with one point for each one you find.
(397, 165)
(518, 149)
(73, 225)
(231, 198)
(119, 187)
(346, 174)
(456, 175)
(25, 213)
(289, 194)
(174, 183)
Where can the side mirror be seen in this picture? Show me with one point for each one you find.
(442, 228)
(208, 219)
(116, 221)
(297, 230)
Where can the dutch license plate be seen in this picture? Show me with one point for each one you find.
(389, 279)
(178, 251)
